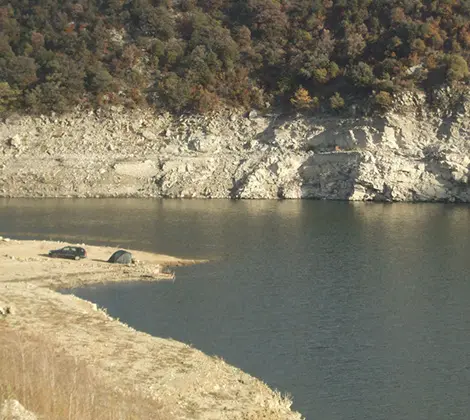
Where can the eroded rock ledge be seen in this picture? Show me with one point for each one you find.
(413, 153)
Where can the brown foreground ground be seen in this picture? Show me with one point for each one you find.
(63, 358)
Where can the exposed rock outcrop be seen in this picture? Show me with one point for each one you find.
(413, 153)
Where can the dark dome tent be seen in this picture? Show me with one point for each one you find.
(121, 257)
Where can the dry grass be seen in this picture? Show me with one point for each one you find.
(55, 386)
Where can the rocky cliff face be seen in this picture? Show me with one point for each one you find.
(414, 153)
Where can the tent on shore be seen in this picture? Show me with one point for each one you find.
(121, 257)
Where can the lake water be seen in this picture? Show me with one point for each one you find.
(359, 311)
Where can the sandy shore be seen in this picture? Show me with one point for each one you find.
(187, 383)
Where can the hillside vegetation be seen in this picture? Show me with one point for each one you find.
(200, 55)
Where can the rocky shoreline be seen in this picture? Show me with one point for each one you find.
(415, 152)
(179, 380)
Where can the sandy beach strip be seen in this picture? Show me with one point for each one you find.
(186, 383)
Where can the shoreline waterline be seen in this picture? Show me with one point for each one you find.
(180, 378)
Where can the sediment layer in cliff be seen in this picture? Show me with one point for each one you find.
(412, 153)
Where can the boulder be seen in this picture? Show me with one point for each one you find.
(15, 141)
(149, 135)
(204, 143)
(252, 114)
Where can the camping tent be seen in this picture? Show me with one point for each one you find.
(121, 257)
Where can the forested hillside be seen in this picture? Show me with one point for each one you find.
(200, 55)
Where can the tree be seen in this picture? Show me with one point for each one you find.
(5, 48)
(204, 100)
(202, 65)
(362, 75)
(303, 100)
(173, 92)
(320, 75)
(457, 68)
(227, 52)
(355, 44)
(243, 38)
(47, 97)
(174, 50)
(333, 70)
(65, 72)
(383, 100)
(152, 21)
(418, 46)
(99, 79)
(267, 19)
(336, 102)
(37, 40)
(18, 72)
(8, 97)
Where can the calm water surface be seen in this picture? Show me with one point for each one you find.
(359, 311)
